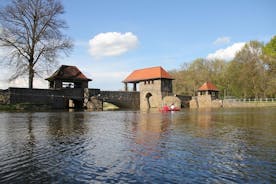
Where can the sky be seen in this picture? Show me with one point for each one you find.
(113, 38)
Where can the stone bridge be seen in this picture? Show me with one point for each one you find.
(59, 98)
(122, 99)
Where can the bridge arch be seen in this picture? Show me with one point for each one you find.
(121, 99)
(74, 103)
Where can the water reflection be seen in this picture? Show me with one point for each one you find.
(148, 130)
(191, 146)
(35, 143)
(19, 148)
(67, 124)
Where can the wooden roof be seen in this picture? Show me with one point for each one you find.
(148, 74)
(208, 86)
(68, 73)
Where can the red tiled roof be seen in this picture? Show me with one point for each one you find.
(147, 74)
(66, 72)
(208, 86)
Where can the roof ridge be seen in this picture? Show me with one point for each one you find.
(68, 71)
(208, 86)
(156, 72)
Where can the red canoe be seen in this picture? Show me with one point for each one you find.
(168, 110)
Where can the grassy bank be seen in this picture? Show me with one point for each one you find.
(7, 107)
(23, 106)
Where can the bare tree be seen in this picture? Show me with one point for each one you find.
(31, 33)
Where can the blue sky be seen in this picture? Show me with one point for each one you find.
(126, 35)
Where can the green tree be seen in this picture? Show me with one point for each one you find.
(270, 48)
(247, 72)
(191, 76)
(233, 79)
(217, 69)
(31, 33)
(251, 74)
(269, 57)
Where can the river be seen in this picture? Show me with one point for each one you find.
(235, 145)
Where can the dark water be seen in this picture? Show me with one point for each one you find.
(191, 146)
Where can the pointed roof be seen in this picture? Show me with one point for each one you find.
(208, 86)
(66, 72)
(148, 73)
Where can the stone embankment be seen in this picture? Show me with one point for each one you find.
(235, 103)
(205, 101)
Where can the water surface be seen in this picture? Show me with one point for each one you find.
(191, 146)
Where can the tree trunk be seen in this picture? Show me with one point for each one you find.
(31, 75)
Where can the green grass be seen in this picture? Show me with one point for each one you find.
(23, 106)
(7, 107)
(109, 106)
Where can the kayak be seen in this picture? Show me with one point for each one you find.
(169, 110)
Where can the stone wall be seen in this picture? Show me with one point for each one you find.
(4, 97)
(55, 98)
(203, 101)
(92, 99)
(168, 100)
(234, 103)
(152, 93)
(193, 104)
(59, 98)
(94, 104)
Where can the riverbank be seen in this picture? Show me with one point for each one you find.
(234, 103)
(23, 106)
(40, 107)
(204, 101)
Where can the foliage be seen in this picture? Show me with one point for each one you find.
(251, 74)
(190, 78)
(31, 35)
(270, 48)
(7, 107)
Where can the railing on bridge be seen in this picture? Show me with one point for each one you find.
(251, 99)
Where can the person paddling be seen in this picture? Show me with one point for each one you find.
(172, 107)
(165, 108)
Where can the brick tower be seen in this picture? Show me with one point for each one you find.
(154, 84)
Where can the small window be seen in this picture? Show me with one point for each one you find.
(67, 85)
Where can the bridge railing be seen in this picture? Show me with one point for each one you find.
(252, 99)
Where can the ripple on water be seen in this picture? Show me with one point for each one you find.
(136, 147)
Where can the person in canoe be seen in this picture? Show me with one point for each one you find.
(172, 107)
(165, 108)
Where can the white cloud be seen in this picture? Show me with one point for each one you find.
(227, 53)
(1, 53)
(222, 40)
(112, 44)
